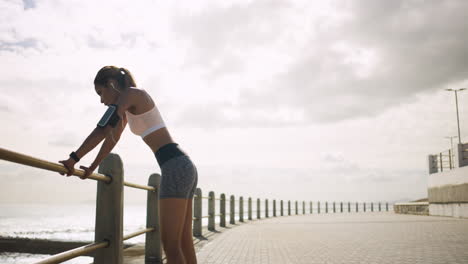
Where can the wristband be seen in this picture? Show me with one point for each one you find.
(74, 156)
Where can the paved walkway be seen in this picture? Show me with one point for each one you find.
(342, 238)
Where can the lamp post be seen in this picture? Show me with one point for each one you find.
(451, 141)
(456, 104)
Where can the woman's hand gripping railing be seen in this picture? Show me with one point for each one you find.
(46, 165)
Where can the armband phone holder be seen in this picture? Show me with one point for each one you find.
(110, 117)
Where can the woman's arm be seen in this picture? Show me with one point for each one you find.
(94, 138)
(92, 141)
(98, 134)
(109, 143)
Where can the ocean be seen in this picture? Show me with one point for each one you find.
(73, 222)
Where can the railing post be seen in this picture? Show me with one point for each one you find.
(357, 207)
(241, 209)
(334, 209)
(281, 207)
(211, 211)
(258, 208)
(197, 213)
(372, 206)
(297, 211)
(364, 206)
(266, 208)
(303, 207)
(326, 207)
(232, 218)
(380, 207)
(450, 159)
(318, 207)
(289, 207)
(250, 208)
(222, 211)
(441, 162)
(349, 207)
(386, 205)
(311, 207)
(274, 208)
(153, 252)
(341, 207)
(109, 211)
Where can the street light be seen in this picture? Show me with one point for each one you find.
(451, 141)
(456, 104)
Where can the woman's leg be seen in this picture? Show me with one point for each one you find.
(187, 238)
(172, 219)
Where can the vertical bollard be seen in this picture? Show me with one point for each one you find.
(311, 207)
(334, 209)
(357, 207)
(289, 207)
(372, 207)
(211, 211)
(109, 211)
(297, 212)
(341, 207)
(153, 253)
(241, 209)
(326, 207)
(197, 213)
(258, 208)
(250, 208)
(281, 207)
(364, 206)
(274, 208)
(380, 207)
(266, 208)
(386, 205)
(232, 215)
(318, 207)
(222, 211)
(349, 207)
(303, 207)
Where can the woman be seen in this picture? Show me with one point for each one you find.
(126, 103)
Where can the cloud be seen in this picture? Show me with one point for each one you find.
(5, 108)
(353, 60)
(28, 43)
(228, 115)
(407, 47)
(29, 4)
(67, 139)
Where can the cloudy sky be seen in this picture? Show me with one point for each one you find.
(300, 100)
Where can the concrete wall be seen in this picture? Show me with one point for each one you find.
(448, 193)
(455, 210)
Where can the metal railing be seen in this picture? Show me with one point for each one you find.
(263, 211)
(449, 159)
(109, 236)
(109, 210)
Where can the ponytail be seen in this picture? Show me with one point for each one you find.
(123, 77)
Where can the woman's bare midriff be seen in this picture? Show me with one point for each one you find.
(158, 139)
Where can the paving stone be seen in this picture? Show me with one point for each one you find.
(379, 237)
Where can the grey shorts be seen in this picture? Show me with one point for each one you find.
(179, 178)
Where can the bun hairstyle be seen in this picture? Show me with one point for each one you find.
(123, 77)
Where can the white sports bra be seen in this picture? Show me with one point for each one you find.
(146, 123)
